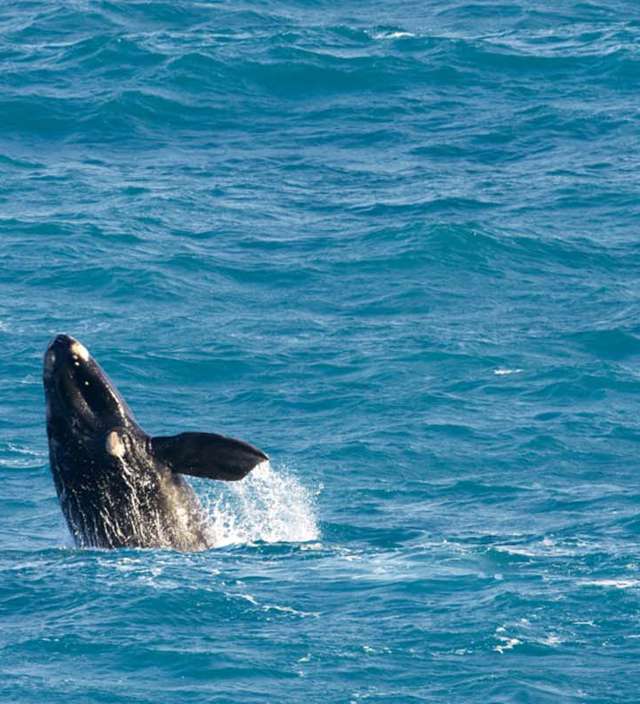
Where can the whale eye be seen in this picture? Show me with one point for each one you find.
(115, 445)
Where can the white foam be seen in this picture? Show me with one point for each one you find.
(502, 371)
(267, 506)
(507, 644)
(616, 583)
(393, 35)
(274, 607)
(552, 640)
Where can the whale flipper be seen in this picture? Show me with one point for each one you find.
(207, 455)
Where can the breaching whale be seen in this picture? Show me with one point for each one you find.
(118, 486)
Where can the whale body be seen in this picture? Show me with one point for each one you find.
(118, 486)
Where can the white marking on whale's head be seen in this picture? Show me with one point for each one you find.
(114, 445)
(49, 362)
(79, 350)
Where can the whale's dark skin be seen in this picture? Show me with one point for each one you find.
(119, 487)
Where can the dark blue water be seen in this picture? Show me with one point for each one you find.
(395, 245)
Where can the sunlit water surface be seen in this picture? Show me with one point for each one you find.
(395, 245)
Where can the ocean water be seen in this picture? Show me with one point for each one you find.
(397, 246)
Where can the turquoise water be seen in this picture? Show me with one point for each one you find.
(395, 245)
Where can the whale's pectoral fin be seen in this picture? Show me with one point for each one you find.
(207, 455)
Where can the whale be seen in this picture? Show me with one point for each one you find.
(119, 487)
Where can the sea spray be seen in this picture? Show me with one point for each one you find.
(268, 506)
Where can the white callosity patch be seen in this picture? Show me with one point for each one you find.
(79, 350)
(114, 445)
(266, 506)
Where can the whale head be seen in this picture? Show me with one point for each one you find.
(95, 445)
(79, 394)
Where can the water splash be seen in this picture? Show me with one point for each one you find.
(267, 506)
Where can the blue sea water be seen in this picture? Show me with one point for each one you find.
(397, 246)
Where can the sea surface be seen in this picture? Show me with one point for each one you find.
(396, 245)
